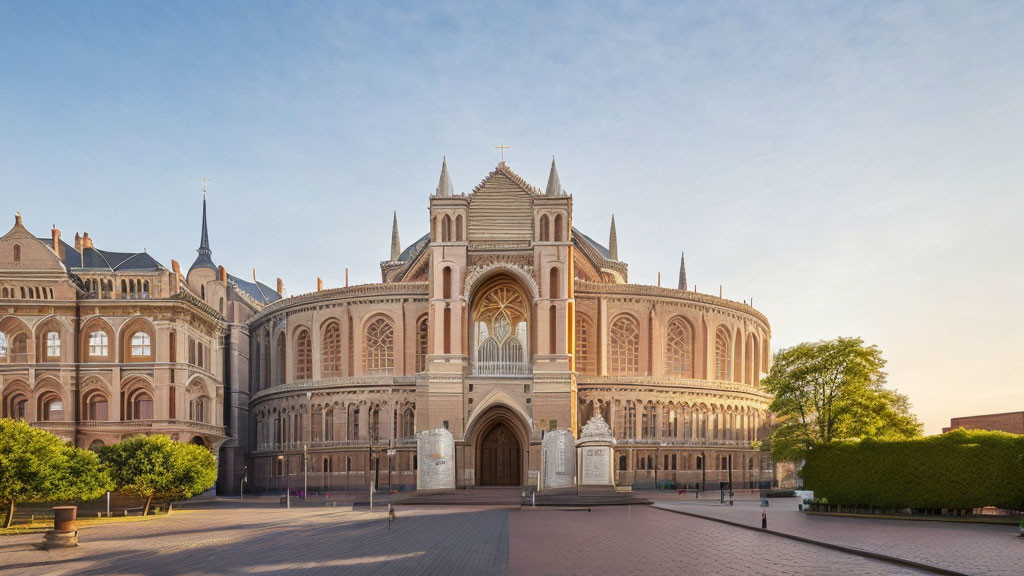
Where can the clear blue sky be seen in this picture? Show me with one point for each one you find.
(856, 168)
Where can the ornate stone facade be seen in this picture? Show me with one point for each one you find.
(501, 324)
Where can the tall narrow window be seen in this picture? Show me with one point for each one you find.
(379, 347)
(553, 329)
(629, 421)
(584, 352)
(458, 228)
(737, 358)
(446, 279)
(500, 330)
(281, 359)
(447, 330)
(3, 346)
(53, 345)
(678, 348)
(554, 284)
(545, 226)
(624, 348)
(558, 228)
(722, 354)
(421, 344)
(446, 228)
(330, 352)
(303, 356)
(17, 254)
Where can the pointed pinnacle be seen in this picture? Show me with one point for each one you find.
(444, 186)
(554, 187)
(396, 244)
(682, 272)
(613, 242)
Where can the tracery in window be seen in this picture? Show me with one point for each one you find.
(722, 365)
(584, 352)
(303, 356)
(421, 344)
(624, 346)
(331, 350)
(500, 331)
(379, 348)
(678, 348)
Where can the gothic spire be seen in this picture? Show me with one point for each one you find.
(444, 186)
(682, 272)
(204, 259)
(396, 245)
(554, 184)
(613, 242)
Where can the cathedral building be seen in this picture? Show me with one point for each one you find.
(501, 324)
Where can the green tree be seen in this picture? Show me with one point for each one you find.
(37, 466)
(158, 467)
(833, 390)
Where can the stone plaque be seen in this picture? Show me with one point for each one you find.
(595, 453)
(596, 466)
(559, 458)
(436, 456)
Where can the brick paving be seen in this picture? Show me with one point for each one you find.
(642, 540)
(275, 541)
(961, 547)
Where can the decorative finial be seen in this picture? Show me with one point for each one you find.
(396, 244)
(682, 272)
(17, 218)
(204, 186)
(554, 184)
(444, 185)
(613, 242)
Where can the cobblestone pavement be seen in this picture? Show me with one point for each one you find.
(642, 540)
(961, 547)
(261, 541)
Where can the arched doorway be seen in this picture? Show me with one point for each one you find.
(499, 457)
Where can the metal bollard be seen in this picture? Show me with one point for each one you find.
(764, 520)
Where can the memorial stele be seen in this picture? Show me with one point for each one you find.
(558, 453)
(436, 455)
(595, 453)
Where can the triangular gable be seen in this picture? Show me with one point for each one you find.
(501, 208)
(33, 254)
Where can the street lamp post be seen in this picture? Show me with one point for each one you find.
(288, 482)
(703, 470)
(305, 472)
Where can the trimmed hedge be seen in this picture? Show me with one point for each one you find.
(960, 469)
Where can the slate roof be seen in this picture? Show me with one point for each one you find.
(95, 259)
(600, 249)
(256, 290)
(415, 248)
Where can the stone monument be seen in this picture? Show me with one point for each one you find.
(558, 460)
(435, 451)
(595, 455)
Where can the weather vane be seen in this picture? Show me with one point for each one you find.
(204, 186)
(502, 147)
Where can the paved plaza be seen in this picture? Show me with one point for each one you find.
(261, 538)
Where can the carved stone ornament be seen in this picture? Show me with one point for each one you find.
(596, 429)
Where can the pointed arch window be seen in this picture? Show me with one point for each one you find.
(678, 348)
(722, 364)
(629, 420)
(446, 228)
(545, 228)
(584, 352)
(3, 346)
(379, 349)
(281, 359)
(421, 344)
(500, 331)
(330, 350)
(408, 423)
(52, 345)
(558, 228)
(303, 356)
(458, 228)
(624, 346)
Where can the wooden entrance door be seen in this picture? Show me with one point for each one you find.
(499, 458)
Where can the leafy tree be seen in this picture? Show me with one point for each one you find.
(158, 467)
(37, 466)
(833, 390)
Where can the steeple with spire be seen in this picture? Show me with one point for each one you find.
(554, 187)
(444, 186)
(682, 272)
(613, 242)
(204, 259)
(396, 244)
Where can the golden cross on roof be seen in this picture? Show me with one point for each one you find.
(502, 147)
(204, 185)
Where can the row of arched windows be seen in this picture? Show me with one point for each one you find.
(547, 233)
(624, 350)
(447, 229)
(136, 401)
(26, 292)
(329, 425)
(672, 421)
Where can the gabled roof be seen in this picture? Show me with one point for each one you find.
(258, 291)
(503, 168)
(95, 259)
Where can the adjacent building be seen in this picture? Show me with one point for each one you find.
(1012, 422)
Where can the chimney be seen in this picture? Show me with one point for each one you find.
(222, 274)
(175, 282)
(254, 275)
(176, 267)
(17, 219)
(319, 284)
(346, 277)
(78, 242)
(55, 234)
(86, 241)
(280, 287)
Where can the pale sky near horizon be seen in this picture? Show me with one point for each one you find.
(856, 168)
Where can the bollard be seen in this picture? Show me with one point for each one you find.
(64, 533)
(764, 520)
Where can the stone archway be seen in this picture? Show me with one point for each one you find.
(501, 444)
